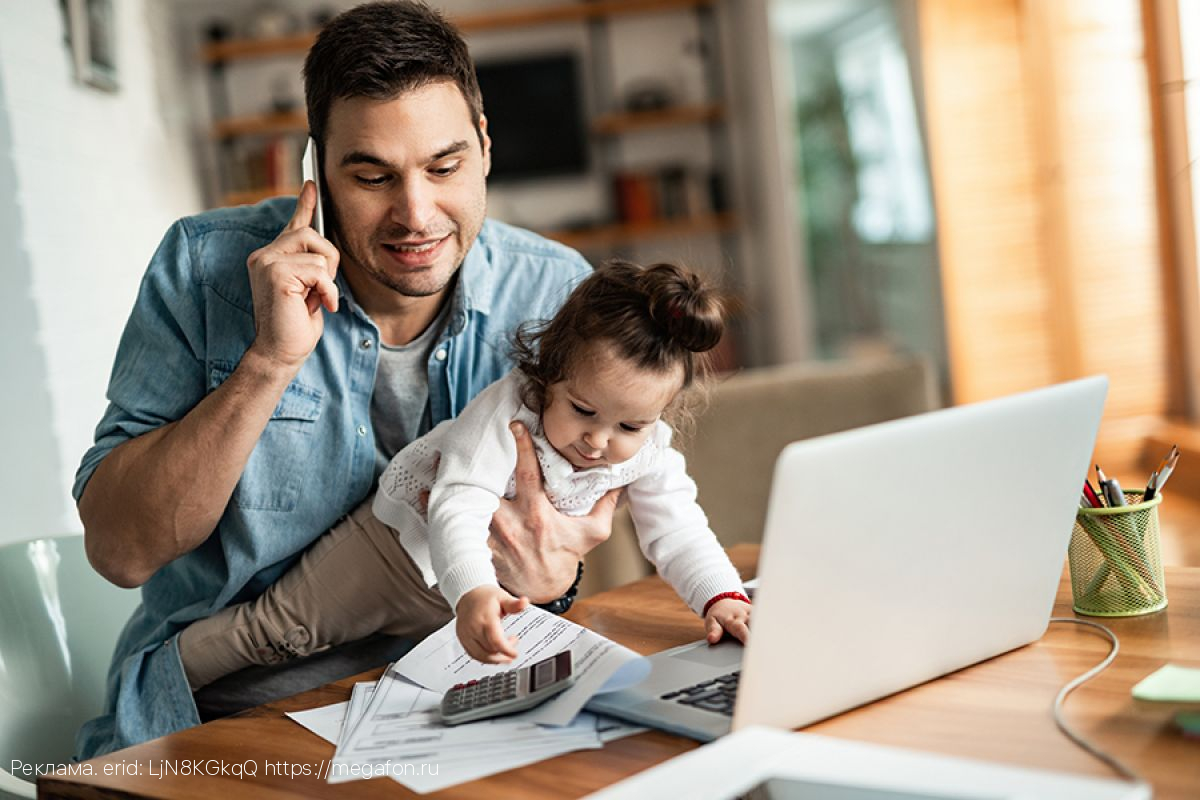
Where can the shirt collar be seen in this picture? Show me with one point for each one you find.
(477, 275)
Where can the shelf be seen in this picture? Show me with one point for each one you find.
(237, 49)
(260, 125)
(624, 122)
(606, 125)
(299, 43)
(625, 232)
(567, 12)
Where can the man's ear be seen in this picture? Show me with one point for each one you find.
(485, 142)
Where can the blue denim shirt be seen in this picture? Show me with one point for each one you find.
(315, 460)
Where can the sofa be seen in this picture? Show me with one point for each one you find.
(749, 417)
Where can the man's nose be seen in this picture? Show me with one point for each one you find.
(414, 206)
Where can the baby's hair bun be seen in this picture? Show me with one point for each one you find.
(690, 313)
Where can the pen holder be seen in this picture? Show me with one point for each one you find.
(1116, 566)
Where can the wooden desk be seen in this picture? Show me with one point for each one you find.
(998, 710)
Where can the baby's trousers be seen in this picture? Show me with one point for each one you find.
(354, 581)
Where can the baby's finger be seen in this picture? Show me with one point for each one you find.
(713, 631)
(739, 630)
(513, 605)
(495, 641)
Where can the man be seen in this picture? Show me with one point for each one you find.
(267, 374)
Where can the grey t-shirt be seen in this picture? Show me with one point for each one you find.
(400, 404)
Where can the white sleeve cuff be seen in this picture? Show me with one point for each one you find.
(463, 577)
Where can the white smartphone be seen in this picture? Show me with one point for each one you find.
(311, 171)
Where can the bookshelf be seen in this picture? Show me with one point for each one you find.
(282, 132)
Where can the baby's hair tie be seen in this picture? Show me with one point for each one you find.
(674, 310)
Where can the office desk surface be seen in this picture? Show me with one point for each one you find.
(998, 710)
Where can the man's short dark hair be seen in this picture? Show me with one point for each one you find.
(381, 50)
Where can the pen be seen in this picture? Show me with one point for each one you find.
(1172, 454)
(1090, 495)
(1151, 487)
(1115, 496)
(1106, 486)
(1165, 471)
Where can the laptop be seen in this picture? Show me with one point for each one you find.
(892, 554)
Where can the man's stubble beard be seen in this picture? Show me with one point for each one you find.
(333, 228)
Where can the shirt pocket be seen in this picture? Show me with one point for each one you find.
(274, 472)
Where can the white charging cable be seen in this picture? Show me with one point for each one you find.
(1071, 686)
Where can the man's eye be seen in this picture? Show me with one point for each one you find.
(446, 170)
(365, 180)
(582, 411)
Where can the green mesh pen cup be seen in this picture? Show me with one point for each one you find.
(1116, 565)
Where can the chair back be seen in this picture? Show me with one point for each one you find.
(753, 415)
(59, 623)
(750, 417)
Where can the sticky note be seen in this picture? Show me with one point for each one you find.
(1171, 684)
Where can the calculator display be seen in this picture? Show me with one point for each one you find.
(543, 674)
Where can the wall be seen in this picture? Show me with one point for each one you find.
(761, 261)
(88, 183)
(1044, 181)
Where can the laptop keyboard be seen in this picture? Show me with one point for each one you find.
(716, 694)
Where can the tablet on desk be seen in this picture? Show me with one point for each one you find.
(796, 789)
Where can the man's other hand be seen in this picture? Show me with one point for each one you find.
(537, 549)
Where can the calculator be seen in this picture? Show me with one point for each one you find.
(507, 692)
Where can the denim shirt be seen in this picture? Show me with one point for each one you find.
(315, 461)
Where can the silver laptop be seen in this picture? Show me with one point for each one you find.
(892, 554)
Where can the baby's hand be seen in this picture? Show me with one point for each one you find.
(478, 625)
(729, 615)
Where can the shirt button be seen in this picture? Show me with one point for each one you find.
(365, 344)
(440, 355)
(362, 430)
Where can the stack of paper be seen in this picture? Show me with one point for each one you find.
(392, 727)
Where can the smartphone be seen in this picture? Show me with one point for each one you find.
(311, 171)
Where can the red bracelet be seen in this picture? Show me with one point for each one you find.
(724, 596)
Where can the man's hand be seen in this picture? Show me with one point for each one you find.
(477, 623)
(291, 279)
(161, 494)
(535, 548)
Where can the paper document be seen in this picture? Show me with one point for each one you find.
(393, 726)
(325, 721)
(400, 734)
(329, 722)
(450, 755)
(440, 661)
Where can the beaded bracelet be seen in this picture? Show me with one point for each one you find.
(563, 604)
(724, 596)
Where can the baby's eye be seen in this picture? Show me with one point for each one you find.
(583, 412)
(631, 428)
